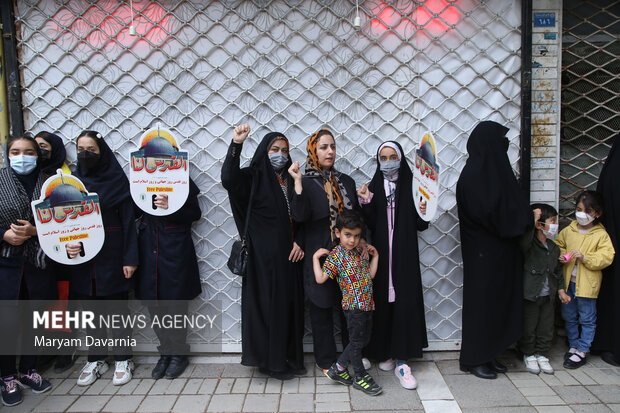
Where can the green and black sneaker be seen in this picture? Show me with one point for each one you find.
(341, 377)
(367, 384)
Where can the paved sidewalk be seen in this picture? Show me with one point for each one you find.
(221, 384)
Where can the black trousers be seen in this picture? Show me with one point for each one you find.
(359, 325)
(110, 304)
(12, 320)
(172, 341)
(322, 321)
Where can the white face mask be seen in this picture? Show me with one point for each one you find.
(583, 218)
(553, 229)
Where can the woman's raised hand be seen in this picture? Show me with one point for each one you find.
(363, 192)
(241, 133)
(294, 171)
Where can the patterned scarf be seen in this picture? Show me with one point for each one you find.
(334, 189)
(14, 205)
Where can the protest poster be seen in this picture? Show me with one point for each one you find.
(66, 213)
(159, 173)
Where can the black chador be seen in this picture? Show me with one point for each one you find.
(399, 327)
(493, 214)
(272, 296)
(607, 337)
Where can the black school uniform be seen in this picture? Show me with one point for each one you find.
(169, 269)
(102, 277)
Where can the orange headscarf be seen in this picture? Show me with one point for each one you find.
(330, 181)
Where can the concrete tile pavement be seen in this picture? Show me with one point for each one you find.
(214, 384)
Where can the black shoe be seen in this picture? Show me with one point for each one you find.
(342, 377)
(367, 384)
(570, 364)
(608, 357)
(482, 371)
(64, 363)
(567, 355)
(177, 366)
(34, 381)
(160, 368)
(11, 391)
(280, 375)
(497, 367)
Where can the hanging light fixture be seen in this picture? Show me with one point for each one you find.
(357, 21)
(132, 28)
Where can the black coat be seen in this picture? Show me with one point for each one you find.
(103, 275)
(493, 215)
(16, 272)
(398, 333)
(271, 297)
(169, 269)
(311, 208)
(607, 337)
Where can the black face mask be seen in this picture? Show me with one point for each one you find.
(88, 159)
(44, 154)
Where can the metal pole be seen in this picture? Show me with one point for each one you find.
(526, 96)
(11, 69)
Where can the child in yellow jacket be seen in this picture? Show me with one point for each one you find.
(585, 249)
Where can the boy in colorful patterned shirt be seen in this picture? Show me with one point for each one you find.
(354, 274)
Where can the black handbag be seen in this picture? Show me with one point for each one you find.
(238, 259)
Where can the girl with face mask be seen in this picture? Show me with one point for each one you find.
(542, 280)
(24, 268)
(52, 157)
(399, 326)
(53, 152)
(108, 276)
(586, 250)
(272, 303)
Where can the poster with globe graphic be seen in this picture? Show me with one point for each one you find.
(426, 177)
(159, 173)
(67, 214)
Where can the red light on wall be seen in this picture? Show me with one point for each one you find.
(437, 16)
(434, 16)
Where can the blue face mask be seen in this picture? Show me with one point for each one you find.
(278, 160)
(23, 164)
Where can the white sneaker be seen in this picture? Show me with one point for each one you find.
(91, 372)
(122, 372)
(387, 365)
(531, 364)
(543, 363)
(367, 364)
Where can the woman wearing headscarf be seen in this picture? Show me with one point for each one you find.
(399, 326)
(108, 276)
(320, 195)
(53, 153)
(607, 337)
(52, 157)
(24, 273)
(169, 277)
(272, 306)
(493, 215)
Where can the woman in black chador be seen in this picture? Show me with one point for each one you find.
(607, 337)
(493, 214)
(272, 323)
(399, 326)
(108, 276)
